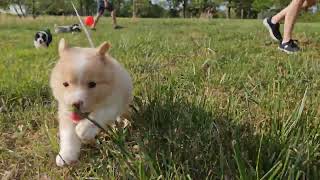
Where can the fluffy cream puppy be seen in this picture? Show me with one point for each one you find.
(93, 82)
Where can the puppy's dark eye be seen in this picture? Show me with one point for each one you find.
(92, 84)
(65, 84)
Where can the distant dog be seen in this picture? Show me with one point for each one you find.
(66, 29)
(42, 39)
(91, 81)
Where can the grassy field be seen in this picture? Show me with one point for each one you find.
(251, 112)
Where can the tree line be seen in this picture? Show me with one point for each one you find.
(149, 8)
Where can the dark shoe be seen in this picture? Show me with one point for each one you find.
(117, 27)
(274, 29)
(289, 47)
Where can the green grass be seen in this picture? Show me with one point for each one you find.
(253, 114)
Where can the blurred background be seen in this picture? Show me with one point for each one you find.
(242, 9)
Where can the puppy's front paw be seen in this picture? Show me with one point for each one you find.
(66, 159)
(86, 131)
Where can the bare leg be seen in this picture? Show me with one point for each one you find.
(96, 19)
(290, 18)
(280, 16)
(114, 18)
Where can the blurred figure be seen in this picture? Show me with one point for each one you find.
(289, 14)
(102, 5)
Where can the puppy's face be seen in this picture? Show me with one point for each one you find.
(76, 28)
(83, 77)
(40, 40)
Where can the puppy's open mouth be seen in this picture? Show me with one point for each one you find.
(76, 116)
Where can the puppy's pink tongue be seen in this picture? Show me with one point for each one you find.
(75, 117)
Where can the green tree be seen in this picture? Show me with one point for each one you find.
(243, 8)
(86, 7)
(32, 7)
(4, 4)
(261, 5)
(125, 9)
(198, 7)
(175, 5)
(144, 8)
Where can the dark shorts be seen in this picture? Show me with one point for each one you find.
(101, 8)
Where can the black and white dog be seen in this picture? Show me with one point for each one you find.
(42, 39)
(76, 28)
(66, 29)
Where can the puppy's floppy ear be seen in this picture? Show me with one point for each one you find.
(103, 48)
(62, 46)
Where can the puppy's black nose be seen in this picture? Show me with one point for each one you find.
(77, 105)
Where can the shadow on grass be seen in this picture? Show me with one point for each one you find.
(189, 139)
(185, 139)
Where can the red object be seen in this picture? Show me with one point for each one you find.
(89, 20)
(75, 117)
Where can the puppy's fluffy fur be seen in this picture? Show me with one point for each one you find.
(94, 81)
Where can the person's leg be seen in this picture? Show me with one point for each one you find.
(280, 16)
(288, 45)
(112, 11)
(97, 17)
(273, 23)
(290, 18)
(114, 18)
(289, 14)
